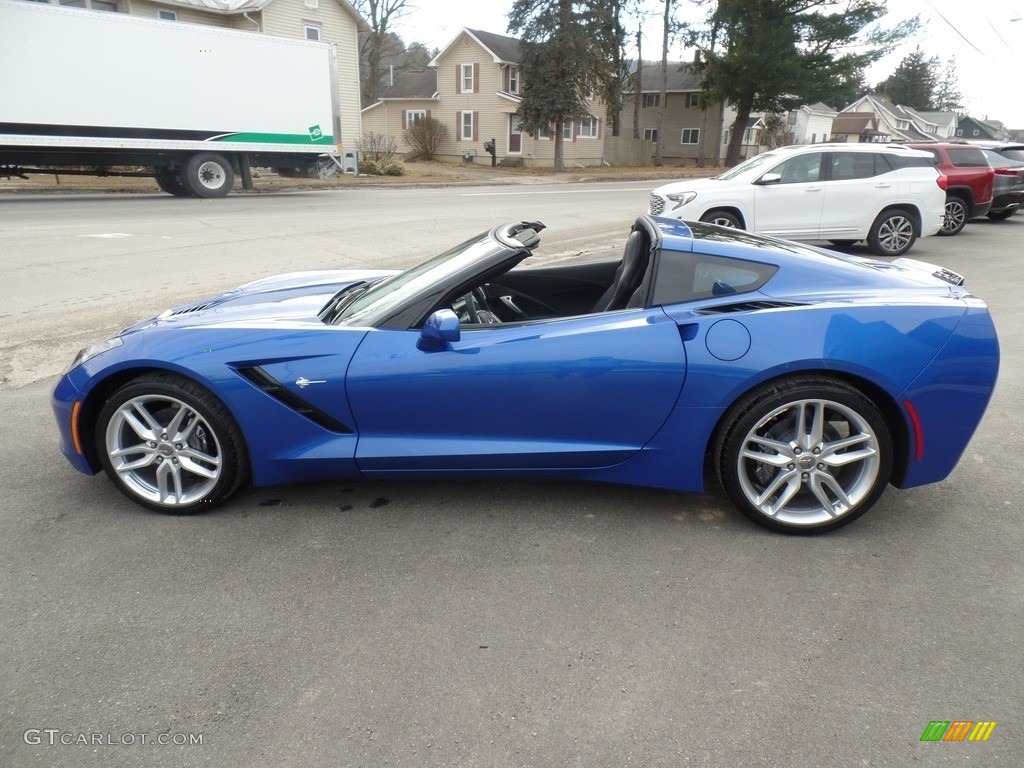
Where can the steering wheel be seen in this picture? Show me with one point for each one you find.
(477, 308)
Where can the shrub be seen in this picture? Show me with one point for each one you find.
(426, 136)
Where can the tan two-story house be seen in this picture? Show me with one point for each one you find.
(473, 86)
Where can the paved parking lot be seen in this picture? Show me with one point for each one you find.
(471, 624)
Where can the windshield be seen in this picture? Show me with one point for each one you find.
(383, 297)
(754, 162)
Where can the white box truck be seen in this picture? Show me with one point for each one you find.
(101, 93)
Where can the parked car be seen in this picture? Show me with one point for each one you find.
(971, 179)
(811, 379)
(1009, 180)
(888, 196)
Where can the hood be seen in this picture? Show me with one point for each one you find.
(293, 297)
(689, 185)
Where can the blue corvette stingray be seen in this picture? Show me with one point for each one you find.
(809, 380)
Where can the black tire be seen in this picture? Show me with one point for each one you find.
(1001, 215)
(893, 232)
(842, 243)
(207, 175)
(170, 182)
(808, 482)
(955, 216)
(722, 219)
(170, 445)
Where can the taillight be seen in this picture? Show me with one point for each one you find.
(943, 182)
(1008, 171)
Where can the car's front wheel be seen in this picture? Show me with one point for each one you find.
(170, 445)
(804, 455)
(892, 233)
(955, 216)
(722, 219)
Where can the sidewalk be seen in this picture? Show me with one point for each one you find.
(418, 174)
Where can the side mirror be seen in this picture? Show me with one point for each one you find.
(770, 178)
(439, 330)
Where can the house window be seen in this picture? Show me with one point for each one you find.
(749, 135)
(975, 132)
(588, 91)
(413, 116)
(725, 137)
(467, 78)
(589, 128)
(513, 79)
(466, 131)
(651, 100)
(311, 30)
(544, 133)
(959, 131)
(94, 5)
(167, 15)
(693, 101)
(690, 136)
(567, 130)
(650, 134)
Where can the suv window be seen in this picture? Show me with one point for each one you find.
(907, 161)
(967, 157)
(856, 165)
(799, 169)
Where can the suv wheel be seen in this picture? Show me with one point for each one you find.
(955, 215)
(892, 233)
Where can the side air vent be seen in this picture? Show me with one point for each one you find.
(657, 205)
(745, 306)
(193, 308)
(267, 383)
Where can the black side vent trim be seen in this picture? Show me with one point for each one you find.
(193, 308)
(745, 306)
(267, 383)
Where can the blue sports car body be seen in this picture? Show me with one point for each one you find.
(811, 379)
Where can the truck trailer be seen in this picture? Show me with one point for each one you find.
(100, 93)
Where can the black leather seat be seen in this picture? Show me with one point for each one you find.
(628, 276)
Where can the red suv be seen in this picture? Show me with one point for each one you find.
(970, 176)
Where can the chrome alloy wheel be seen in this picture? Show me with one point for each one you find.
(896, 233)
(808, 462)
(163, 450)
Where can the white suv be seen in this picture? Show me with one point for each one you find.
(844, 193)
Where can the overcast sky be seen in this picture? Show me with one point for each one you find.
(986, 37)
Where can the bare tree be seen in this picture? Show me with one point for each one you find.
(379, 42)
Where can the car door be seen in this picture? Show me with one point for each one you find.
(859, 186)
(576, 392)
(790, 205)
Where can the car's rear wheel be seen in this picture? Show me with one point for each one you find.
(955, 215)
(804, 455)
(170, 445)
(722, 219)
(1001, 215)
(892, 233)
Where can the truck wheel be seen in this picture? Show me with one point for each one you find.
(207, 175)
(170, 182)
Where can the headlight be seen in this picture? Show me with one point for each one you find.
(94, 349)
(682, 198)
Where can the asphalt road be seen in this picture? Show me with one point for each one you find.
(471, 624)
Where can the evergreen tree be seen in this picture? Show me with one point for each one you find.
(913, 82)
(563, 57)
(778, 54)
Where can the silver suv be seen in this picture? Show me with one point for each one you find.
(888, 196)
